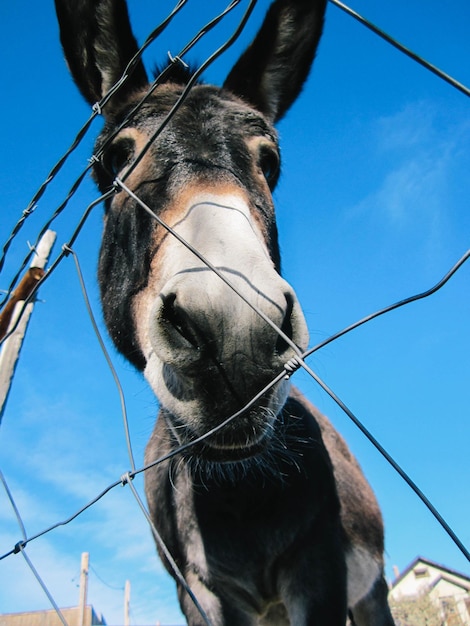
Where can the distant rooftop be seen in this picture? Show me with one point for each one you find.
(51, 618)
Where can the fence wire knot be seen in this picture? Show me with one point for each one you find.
(177, 59)
(97, 108)
(32, 247)
(29, 210)
(126, 479)
(292, 366)
(116, 186)
(19, 547)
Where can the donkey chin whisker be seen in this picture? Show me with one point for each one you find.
(221, 465)
(173, 429)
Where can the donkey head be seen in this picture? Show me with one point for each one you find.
(209, 176)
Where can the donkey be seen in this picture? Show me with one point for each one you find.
(269, 519)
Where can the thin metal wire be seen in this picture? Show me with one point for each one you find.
(230, 41)
(58, 260)
(21, 545)
(37, 196)
(429, 66)
(137, 56)
(105, 352)
(212, 267)
(171, 561)
(182, 448)
(13, 505)
(103, 581)
(391, 461)
(54, 605)
(45, 227)
(161, 77)
(392, 307)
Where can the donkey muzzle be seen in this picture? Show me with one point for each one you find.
(201, 320)
(218, 333)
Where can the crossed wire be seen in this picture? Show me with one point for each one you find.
(297, 362)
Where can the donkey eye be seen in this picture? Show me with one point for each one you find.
(268, 162)
(117, 156)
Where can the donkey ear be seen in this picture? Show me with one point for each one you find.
(271, 72)
(98, 44)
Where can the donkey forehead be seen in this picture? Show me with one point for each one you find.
(206, 110)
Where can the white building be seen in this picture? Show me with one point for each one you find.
(449, 590)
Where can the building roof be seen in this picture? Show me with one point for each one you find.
(450, 581)
(51, 618)
(424, 561)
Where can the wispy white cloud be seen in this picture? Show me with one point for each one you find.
(413, 126)
(415, 152)
(414, 190)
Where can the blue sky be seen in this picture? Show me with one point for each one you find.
(373, 206)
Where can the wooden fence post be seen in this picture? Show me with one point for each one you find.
(11, 347)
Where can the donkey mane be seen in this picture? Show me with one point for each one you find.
(176, 71)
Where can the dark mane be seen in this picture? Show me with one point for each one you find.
(175, 71)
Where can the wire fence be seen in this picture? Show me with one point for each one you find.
(126, 479)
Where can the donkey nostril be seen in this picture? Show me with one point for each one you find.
(177, 318)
